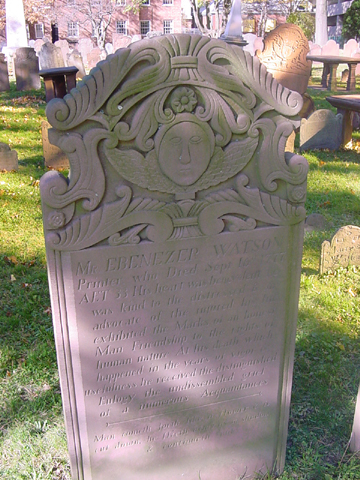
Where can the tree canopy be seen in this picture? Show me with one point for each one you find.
(351, 25)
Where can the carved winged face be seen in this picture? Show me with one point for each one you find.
(184, 151)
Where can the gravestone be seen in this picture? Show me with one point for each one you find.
(174, 254)
(8, 158)
(322, 129)
(85, 45)
(51, 56)
(4, 74)
(74, 59)
(120, 41)
(93, 57)
(64, 45)
(54, 157)
(284, 55)
(27, 69)
(350, 47)
(355, 434)
(330, 48)
(342, 251)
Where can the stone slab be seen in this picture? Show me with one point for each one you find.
(51, 56)
(343, 249)
(54, 157)
(8, 158)
(27, 69)
(174, 257)
(323, 129)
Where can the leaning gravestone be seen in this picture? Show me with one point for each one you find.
(174, 254)
(342, 251)
(323, 129)
(27, 69)
(51, 56)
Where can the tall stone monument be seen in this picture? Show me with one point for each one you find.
(15, 25)
(174, 254)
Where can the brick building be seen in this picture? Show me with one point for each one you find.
(70, 20)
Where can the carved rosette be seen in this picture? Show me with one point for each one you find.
(162, 139)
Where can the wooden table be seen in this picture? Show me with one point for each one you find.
(331, 64)
(58, 81)
(346, 105)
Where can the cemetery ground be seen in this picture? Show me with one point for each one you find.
(327, 358)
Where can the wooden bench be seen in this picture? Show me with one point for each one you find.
(346, 105)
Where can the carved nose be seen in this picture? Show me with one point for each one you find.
(185, 156)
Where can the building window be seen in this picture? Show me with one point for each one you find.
(168, 2)
(168, 27)
(70, 2)
(146, 3)
(39, 30)
(121, 3)
(73, 29)
(121, 27)
(144, 27)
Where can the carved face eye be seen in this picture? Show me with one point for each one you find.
(176, 141)
(195, 139)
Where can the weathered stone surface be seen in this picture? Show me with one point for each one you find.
(27, 69)
(54, 157)
(355, 434)
(51, 56)
(94, 57)
(8, 158)
(174, 254)
(315, 221)
(64, 46)
(75, 59)
(284, 55)
(323, 129)
(85, 45)
(4, 75)
(120, 41)
(342, 251)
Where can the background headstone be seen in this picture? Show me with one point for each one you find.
(120, 41)
(343, 249)
(323, 129)
(75, 59)
(4, 74)
(350, 47)
(8, 158)
(53, 156)
(174, 256)
(93, 57)
(330, 48)
(64, 45)
(84, 46)
(38, 45)
(284, 55)
(51, 56)
(27, 69)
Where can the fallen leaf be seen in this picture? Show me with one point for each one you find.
(12, 278)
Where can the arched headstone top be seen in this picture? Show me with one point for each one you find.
(153, 64)
(173, 117)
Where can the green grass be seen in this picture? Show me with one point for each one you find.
(327, 359)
